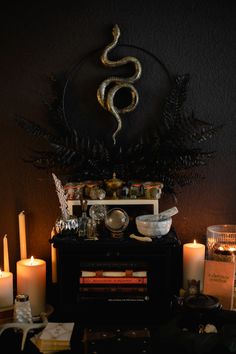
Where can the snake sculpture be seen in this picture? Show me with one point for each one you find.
(109, 87)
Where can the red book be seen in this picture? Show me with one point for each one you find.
(137, 288)
(113, 280)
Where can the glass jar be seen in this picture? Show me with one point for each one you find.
(221, 241)
(90, 185)
(221, 245)
(79, 191)
(69, 189)
(152, 190)
(135, 189)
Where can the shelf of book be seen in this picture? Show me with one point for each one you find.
(112, 296)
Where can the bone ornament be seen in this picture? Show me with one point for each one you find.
(141, 238)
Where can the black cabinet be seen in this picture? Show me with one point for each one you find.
(160, 259)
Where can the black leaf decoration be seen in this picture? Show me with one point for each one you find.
(169, 153)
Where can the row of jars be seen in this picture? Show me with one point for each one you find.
(98, 190)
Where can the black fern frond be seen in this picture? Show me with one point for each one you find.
(170, 153)
(35, 130)
(173, 104)
(189, 129)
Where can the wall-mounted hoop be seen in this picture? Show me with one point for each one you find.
(96, 54)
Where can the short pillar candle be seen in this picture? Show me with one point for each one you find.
(193, 263)
(31, 280)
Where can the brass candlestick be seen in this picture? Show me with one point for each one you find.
(113, 185)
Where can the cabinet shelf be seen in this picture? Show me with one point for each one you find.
(152, 202)
(160, 259)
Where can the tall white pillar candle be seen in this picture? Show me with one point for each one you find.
(5, 254)
(22, 235)
(193, 263)
(31, 280)
(6, 289)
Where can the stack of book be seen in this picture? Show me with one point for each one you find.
(114, 285)
(54, 337)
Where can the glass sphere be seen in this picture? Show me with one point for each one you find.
(98, 212)
(116, 220)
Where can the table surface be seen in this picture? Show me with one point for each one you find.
(178, 334)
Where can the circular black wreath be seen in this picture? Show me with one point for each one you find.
(170, 152)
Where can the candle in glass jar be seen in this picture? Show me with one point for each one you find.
(31, 280)
(224, 254)
(6, 289)
(193, 263)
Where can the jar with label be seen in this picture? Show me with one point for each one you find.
(79, 191)
(22, 309)
(89, 185)
(69, 189)
(152, 190)
(135, 189)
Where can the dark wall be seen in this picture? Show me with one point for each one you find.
(195, 37)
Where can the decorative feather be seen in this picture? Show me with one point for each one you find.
(62, 198)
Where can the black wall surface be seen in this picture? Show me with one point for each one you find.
(195, 37)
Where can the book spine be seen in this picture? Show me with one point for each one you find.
(134, 298)
(113, 280)
(113, 265)
(118, 274)
(111, 289)
(129, 299)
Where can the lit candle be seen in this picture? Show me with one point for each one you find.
(5, 254)
(6, 289)
(53, 258)
(31, 280)
(22, 235)
(193, 263)
(224, 254)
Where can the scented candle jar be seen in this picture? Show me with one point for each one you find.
(221, 245)
(224, 254)
(221, 241)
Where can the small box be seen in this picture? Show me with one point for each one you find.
(117, 340)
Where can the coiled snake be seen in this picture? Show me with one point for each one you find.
(105, 95)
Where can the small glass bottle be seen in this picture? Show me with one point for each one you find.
(22, 309)
(83, 220)
(92, 229)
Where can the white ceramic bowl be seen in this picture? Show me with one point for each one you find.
(149, 225)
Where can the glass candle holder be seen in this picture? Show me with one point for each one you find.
(221, 241)
(221, 246)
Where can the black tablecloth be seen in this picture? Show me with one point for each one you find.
(174, 336)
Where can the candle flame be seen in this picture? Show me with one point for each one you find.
(194, 241)
(0, 273)
(32, 260)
